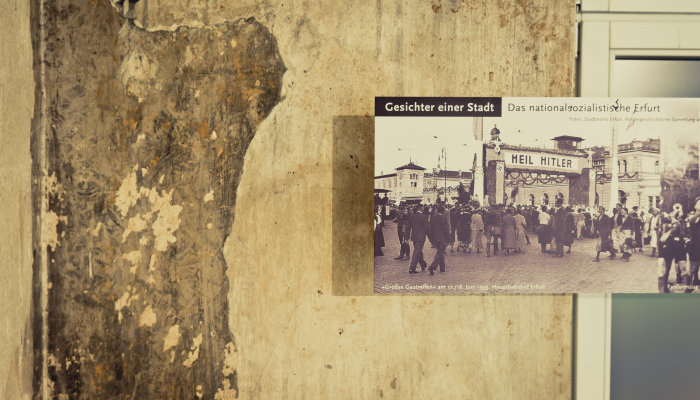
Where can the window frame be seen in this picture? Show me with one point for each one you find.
(606, 31)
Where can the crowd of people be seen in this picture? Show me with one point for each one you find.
(677, 238)
(673, 237)
(470, 228)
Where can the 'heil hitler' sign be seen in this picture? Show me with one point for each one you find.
(522, 159)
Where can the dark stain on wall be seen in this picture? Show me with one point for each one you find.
(145, 136)
(353, 186)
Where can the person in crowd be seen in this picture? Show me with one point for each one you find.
(618, 208)
(642, 221)
(677, 216)
(378, 234)
(463, 229)
(646, 226)
(588, 223)
(653, 230)
(637, 226)
(580, 221)
(520, 211)
(594, 218)
(432, 211)
(559, 228)
(508, 229)
(693, 247)
(544, 232)
(402, 232)
(532, 216)
(452, 219)
(616, 234)
(492, 230)
(569, 229)
(671, 249)
(440, 237)
(418, 229)
(625, 230)
(477, 230)
(521, 239)
(604, 226)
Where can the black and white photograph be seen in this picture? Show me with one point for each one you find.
(536, 195)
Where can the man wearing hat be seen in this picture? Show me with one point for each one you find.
(492, 229)
(417, 230)
(671, 250)
(560, 227)
(401, 230)
(440, 237)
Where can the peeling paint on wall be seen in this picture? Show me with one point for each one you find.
(145, 135)
(194, 351)
(172, 338)
(49, 228)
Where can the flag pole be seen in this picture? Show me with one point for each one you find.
(478, 176)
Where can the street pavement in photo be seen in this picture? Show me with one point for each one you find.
(527, 272)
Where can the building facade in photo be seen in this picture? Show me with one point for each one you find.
(439, 182)
(405, 184)
(411, 183)
(517, 174)
(638, 173)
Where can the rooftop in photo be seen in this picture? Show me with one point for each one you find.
(449, 174)
(649, 145)
(571, 138)
(411, 165)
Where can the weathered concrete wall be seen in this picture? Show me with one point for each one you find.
(129, 114)
(144, 134)
(296, 338)
(16, 108)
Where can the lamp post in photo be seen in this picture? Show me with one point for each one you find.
(444, 170)
(614, 167)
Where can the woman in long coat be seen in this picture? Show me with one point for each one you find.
(453, 223)
(604, 226)
(637, 226)
(378, 234)
(520, 225)
(654, 231)
(626, 227)
(508, 231)
(477, 228)
(569, 229)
